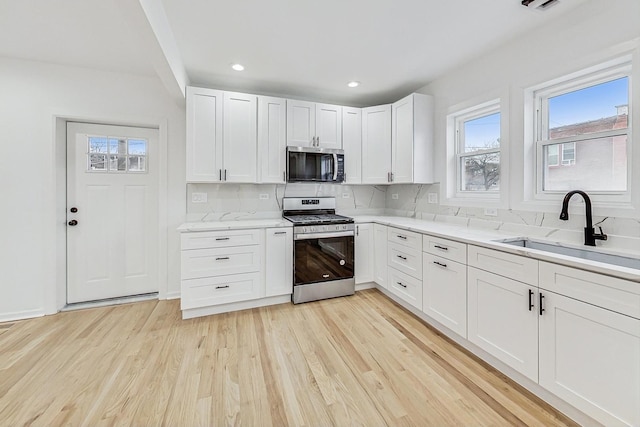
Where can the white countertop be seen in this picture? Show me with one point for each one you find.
(473, 236)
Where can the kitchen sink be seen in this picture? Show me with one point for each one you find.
(587, 254)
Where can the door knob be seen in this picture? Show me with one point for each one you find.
(74, 209)
(73, 222)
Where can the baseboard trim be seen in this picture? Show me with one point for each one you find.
(173, 295)
(110, 301)
(21, 315)
(235, 306)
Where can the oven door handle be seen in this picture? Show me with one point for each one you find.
(323, 235)
(335, 166)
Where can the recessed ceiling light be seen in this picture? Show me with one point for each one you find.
(353, 84)
(238, 67)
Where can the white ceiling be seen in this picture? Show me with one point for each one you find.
(297, 48)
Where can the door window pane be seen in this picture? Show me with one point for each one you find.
(97, 162)
(138, 146)
(97, 144)
(117, 163)
(113, 154)
(592, 165)
(481, 172)
(137, 163)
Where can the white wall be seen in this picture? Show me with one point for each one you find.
(32, 95)
(593, 33)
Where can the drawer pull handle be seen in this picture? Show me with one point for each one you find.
(444, 248)
(222, 238)
(440, 264)
(402, 237)
(402, 257)
(222, 258)
(325, 276)
(541, 305)
(280, 232)
(530, 300)
(401, 284)
(222, 287)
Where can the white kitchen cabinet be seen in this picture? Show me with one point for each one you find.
(380, 269)
(376, 145)
(590, 357)
(240, 135)
(364, 253)
(279, 261)
(352, 144)
(412, 139)
(406, 287)
(444, 292)
(204, 135)
(503, 321)
(311, 124)
(512, 266)
(407, 260)
(272, 139)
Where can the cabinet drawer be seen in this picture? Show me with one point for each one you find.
(504, 264)
(444, 292)
(220, 239)
(405, 259)
(614, 294)
(220, 261)
(404, 238)
(220, 290)
(455, 251)
(406, 287)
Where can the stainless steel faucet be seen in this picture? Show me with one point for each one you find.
(590, 236)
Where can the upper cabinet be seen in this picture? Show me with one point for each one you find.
(352, 144)
(239, 135)
(376, 145)
(204, 135)
(412, 140)
(272, 139)
(314, 125)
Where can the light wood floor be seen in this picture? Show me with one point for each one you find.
(359, 360)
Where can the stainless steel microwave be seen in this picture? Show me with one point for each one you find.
(313, 164)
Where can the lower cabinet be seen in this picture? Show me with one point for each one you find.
(503, 321)
(279, 261)
(444, 293)
(406, 287)
(380, 255)
(218, 290)
(364, 253)
(590, 357)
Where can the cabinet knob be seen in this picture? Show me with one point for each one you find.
(73, 210)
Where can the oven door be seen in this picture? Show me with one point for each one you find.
(322, 259)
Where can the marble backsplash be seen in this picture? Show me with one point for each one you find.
(412, 201)
(254, 201)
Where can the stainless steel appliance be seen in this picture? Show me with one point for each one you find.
(314, 164)
(323, 254)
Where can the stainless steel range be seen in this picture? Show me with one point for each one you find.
(323, 249)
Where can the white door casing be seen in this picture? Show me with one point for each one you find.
(112, 251)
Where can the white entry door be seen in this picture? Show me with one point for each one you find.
(112, 211)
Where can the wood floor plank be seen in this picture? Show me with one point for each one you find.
(360, 360)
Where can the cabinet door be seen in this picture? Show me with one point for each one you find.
(364, 253)
(352, 144)
(329, 126)
(279, 261)
(501, 322)
(204, 135)
(402, 140)
(301, 123)
(272, 139)
(380, 254)
(240, 137)
(376, 144)
(590, 358)
(444, 292)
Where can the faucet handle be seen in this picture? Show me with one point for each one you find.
(600, 236)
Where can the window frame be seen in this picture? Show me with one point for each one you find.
(564, 85)
(458, 120)
(108, 156)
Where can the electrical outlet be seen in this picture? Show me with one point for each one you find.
(432, 197)
(264, 196)
(491, 211)
(394, 196)
(345, 195)
(199, 197)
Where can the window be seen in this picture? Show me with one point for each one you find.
(581, 134)
(477, 140)
(113, 154)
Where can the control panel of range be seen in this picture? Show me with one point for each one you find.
(326, 228)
